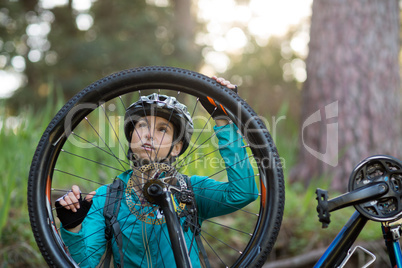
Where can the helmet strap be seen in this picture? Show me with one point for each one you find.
(166, 159)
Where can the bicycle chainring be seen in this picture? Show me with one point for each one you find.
(374, 169)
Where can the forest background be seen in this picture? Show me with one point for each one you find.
(49, 50)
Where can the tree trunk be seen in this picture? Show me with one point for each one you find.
(352, 93)
(184, 31)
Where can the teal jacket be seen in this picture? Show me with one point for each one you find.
(147, 245)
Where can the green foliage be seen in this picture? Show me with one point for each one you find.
(124, 35)
(18, 139)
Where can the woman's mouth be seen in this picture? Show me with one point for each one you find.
(147, 147)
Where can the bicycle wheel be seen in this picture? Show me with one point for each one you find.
(84, 144)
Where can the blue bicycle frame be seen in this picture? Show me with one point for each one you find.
(391, 237)
(339, 248)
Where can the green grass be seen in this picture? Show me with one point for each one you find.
(17, 146)
(19, 137)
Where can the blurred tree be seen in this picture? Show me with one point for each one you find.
(351, 95)
(120, 35)
(184, 32)
(259, 70)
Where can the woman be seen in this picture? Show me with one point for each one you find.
(158, 129)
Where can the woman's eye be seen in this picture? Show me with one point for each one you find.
(141, 125)
(163, 129)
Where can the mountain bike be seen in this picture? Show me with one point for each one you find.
(84, 145)
(375, 190)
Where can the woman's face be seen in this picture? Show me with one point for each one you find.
(152, 139)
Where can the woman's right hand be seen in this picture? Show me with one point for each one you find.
(72, 210)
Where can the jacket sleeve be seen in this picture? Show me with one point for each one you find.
(88, 245)
(218, 198)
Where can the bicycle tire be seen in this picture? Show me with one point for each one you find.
(41, 175)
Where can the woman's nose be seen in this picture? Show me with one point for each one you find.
(148, 133)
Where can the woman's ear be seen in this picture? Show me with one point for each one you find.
(177, 148)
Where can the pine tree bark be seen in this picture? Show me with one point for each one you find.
(352, 93)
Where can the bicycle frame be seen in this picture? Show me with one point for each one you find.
(391, 237)
(340, 246)
(164, 200)
(375, 191)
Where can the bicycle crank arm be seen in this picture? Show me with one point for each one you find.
(360, 195)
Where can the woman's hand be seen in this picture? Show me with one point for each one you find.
(72, 210)
(225, 82)
(217, 112)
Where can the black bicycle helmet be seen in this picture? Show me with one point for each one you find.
(163, 106)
